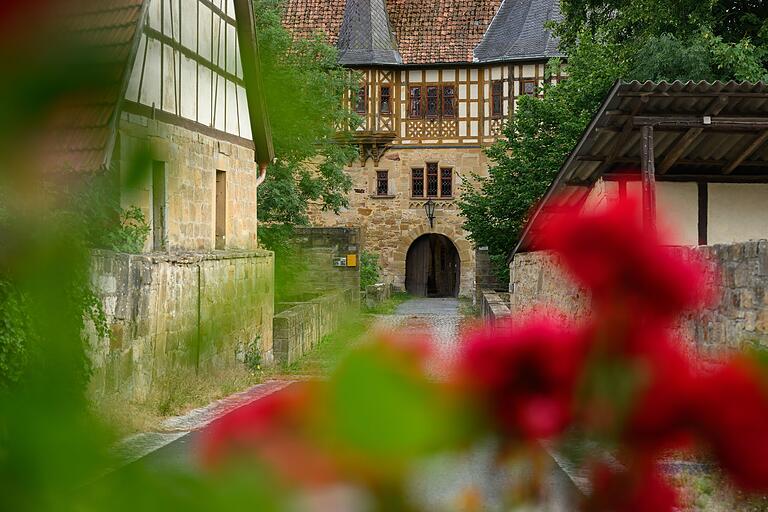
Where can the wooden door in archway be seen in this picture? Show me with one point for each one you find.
(432, 267)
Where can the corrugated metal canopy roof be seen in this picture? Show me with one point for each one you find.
(702, 131)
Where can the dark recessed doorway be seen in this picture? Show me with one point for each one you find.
(432, 267)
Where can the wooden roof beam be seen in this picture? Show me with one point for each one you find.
(704, 121)
(759, 141)
(689, 138)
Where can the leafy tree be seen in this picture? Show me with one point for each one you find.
(606, 40)
(533, 147)
(303, 86)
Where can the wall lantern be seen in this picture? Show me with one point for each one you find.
(429, 208)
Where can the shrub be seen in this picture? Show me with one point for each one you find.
(15, 334)
(369, 269)
(130, 233)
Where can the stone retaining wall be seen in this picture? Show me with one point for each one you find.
(172, 312)
(493, 306)
(375, 294)
(299, 329)
(739, 315)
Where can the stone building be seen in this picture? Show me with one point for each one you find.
(438, 82)
(180, 123)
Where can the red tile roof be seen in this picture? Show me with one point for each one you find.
(307, 17)
(427, 31)
(80, 131)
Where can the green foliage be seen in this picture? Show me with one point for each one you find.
(303, 87)
(130, 233)
(15, 335)
(105, 224)
(369, 269)
(533, 147)
(253, 356)
(605, 40)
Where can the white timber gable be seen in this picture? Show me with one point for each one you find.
(188, 64)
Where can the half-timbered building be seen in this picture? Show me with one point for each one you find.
(438, 80)
(178, 120)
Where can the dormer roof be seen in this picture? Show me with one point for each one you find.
(366, 35)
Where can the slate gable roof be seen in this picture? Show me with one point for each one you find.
(431, 31)
(517, 32)
(366, 36)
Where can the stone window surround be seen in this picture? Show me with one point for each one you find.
(424, 177)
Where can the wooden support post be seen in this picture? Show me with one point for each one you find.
(648, 170)
(703, 211)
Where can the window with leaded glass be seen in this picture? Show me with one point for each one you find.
(529, 87)
(415, 102)
(417, 182)
(361, 100)
(449, 101)
(382, 183)
(432, 179)
(433, 101)
(497, 98)
(446, 182)
(385, 105)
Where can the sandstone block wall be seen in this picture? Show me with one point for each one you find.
(316, 249)
(390, 224)
(191, 161)
(300, 327)
(166, 313)
(738, 316)
(493, 306)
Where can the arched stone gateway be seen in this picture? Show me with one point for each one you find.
(432, 267)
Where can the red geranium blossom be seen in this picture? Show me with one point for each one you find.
(733, 414)
(640, 489)
(272, 431)
(624, 264)
(662, 414)
(525, 375)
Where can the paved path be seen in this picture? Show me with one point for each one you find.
(439, 483)
(440, 319)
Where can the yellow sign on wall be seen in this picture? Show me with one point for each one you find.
(352, 260)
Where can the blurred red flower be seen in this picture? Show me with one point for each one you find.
(640, 489)
(271, 431)
(524, 375)
(662, 414)
(733, 415)
(624, 265)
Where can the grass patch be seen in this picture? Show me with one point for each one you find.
(173, 395)
(389, 306)
(324, 358)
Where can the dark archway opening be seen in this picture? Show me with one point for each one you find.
(432, 267)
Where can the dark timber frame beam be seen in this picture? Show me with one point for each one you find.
(759, 141)
(648, 171)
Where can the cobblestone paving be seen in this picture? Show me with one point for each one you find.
(440, 319)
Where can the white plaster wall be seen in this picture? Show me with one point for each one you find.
(737, 212)
(677, 206)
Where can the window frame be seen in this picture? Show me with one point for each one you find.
(450, 179)
(411, 88)
(439, 174)
(389, 112)
(523, 84)
(414, 170)
(432, 170)
(452, 97)
(424, 99)
(382, 176)
(497, 94)
(364, 88)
